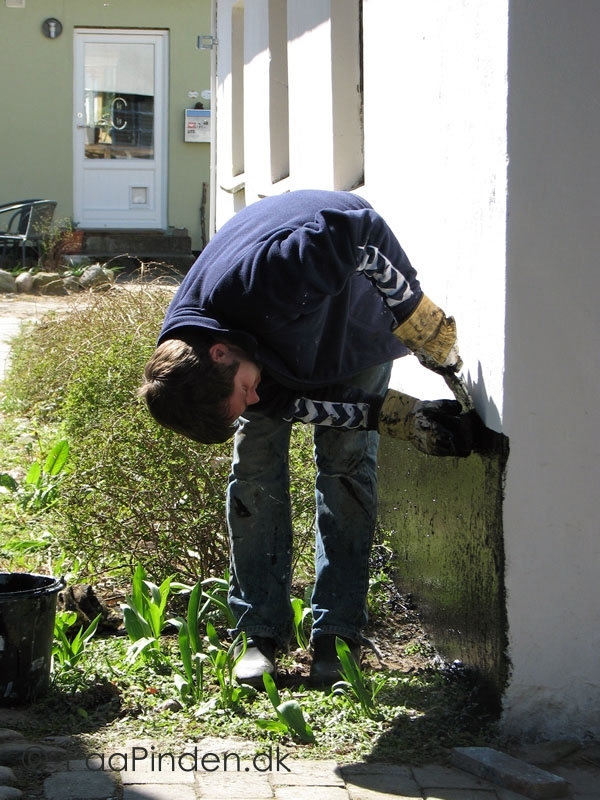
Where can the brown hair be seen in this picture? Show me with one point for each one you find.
(187, 391)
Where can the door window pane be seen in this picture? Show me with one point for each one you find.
(119, 100)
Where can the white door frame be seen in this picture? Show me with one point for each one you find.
(121, 193)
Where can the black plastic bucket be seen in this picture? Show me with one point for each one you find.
(27, 613)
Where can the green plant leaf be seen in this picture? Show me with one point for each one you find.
(212, 635)
(8, 482)
(57, 458)
(271, 690)
(273, 725)
(34, 474)
(217, 597)
(68, 652)
(140, 646)
(293, 716)
(135, 625)
(192, 618)
(354, 681)
(64, 620)
(153, 593)
(300, 611)
(182, 685)
(137, 588)
(185, 650)
(91, 629)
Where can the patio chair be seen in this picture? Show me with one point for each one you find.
(27, 222)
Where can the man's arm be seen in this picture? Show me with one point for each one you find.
(435, 427)
(424, 329)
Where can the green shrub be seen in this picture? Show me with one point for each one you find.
(135, 492)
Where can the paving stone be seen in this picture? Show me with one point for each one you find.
(510, 772)
(508, 794)
(234, 786)
(8, 735)
(316, 793)
(159, 792)
(163, 772)
(146, 763)
(29, 755)
(7, 777)
(461, 794)
(364, 793)
(148, 778)
(435, 776)
(10, 793)
(306, 773)
(79, 785)
(380, 782)
(584, 783)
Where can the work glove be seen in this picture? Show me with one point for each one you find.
(431, 335)
(434, 427)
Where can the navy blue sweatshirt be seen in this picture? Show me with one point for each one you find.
(310, 283)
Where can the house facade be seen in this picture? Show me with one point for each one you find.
(470, 127)
(95, 97)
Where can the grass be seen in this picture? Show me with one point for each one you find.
(104, 701)
(421, 714)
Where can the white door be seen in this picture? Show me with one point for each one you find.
(120, 131)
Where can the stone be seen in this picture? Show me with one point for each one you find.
(82, 599)
(28, 754)
(170, 705)
(24, 282)
(7, 282)
(72, 285)
(161, 792)
(8, 735)
(95, 277)
(48, 283)
(10, 793)
(7, 777)
(79, 785)
(379, 780)
(512, 773)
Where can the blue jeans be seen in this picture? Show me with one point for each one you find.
(260, 525)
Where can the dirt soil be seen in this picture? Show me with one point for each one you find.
(31, 307)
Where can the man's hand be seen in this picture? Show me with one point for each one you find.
(434, 427)
(431, 335)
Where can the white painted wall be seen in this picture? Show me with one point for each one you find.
(518, 259)
(435, 167)
(552, 384)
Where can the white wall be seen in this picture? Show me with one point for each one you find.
(552, 378)
(435, 166)
(324, 142)
(452, 93)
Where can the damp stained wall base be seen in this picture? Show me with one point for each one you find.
(443, 518)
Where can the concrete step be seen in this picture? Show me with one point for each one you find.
(172, 247)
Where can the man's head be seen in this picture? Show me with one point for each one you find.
(199, 387)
